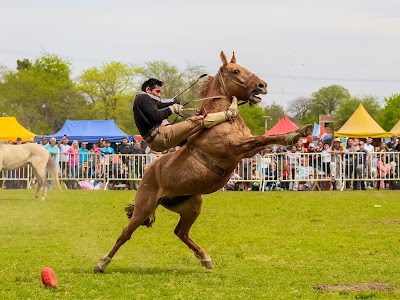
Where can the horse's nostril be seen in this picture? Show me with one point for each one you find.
(261, 86)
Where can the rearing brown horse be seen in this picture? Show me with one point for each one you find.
(204, 164)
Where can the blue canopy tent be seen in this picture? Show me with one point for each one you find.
(89, 131)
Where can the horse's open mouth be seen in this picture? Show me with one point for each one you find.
(254, 99)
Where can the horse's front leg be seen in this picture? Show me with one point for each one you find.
(252, 145)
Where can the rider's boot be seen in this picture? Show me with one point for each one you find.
(213, 119)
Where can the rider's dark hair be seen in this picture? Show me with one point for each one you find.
(151, 83)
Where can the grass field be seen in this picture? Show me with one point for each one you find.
(272, 245)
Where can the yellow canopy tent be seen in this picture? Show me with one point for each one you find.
(10, 130)
(396, 128)
(361, 125)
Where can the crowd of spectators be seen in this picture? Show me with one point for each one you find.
(328, 165)
(78, 164)
(357, 164)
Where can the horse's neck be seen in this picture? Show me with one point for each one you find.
(215, 104)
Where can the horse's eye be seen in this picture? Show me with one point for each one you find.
(236, 71)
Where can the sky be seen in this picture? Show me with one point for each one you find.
(297, 47)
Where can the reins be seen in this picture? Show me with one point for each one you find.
(223, 86)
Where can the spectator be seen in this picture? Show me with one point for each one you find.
(84, 159)
(64, 157)
(383, 170)
(368, 166)
(394, 141)
(356, 144)
(361, 160)
(300, 146)
(320, 146)
(96, 149)
(271, 174)
(54, 150)
(312, 159)
(326, 164)
(73, 163)
(383, 147)
(107, 151)
(292, 165)
(101, 143)
(44, 142)
(125, 148)
(232, 184)
(349, 163)
(245, 172)
(336, 164)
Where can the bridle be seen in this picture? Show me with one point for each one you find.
(223, 86)
(220, 75)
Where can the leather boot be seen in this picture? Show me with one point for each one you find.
(230, 114)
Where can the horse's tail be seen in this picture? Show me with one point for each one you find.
(51, 167)
(148, 222)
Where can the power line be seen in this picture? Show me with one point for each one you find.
(281, 76)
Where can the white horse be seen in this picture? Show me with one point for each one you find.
(17, 156)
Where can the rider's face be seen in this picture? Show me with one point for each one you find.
(155, 92)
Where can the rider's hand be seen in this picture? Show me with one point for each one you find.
(176, 100)
(176, 108)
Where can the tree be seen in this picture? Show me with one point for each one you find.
(173, 80)
(274, 113)
(253, 117)
(347, 107)
(299, 108)
(391, 112)
(40, 94)
(109, 90)
(327, 99)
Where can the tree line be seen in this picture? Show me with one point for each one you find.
(41, 94)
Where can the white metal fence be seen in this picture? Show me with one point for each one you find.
(286, 171)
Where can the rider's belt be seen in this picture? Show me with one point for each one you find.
(151, 135)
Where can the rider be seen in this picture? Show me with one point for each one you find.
(149, 112)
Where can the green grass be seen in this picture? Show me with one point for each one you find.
(272, 245)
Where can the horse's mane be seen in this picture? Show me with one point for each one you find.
(205, 86)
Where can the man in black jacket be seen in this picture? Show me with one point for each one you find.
(124, 148)
(149, 112)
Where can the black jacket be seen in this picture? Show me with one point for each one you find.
(148, 112)
(124, 149)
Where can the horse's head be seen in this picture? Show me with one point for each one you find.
(236, 80)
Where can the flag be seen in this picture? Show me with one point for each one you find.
(319, 132)
(316, 130)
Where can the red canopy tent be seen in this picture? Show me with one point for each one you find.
(283, 126)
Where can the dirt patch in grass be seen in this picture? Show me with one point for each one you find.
(387, 221)
(375, 286)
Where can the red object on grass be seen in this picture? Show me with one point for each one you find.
(49, 277)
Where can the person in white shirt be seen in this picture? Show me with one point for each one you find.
(64, 156)
(368, 167)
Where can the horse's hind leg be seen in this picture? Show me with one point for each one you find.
(40, 174)
(189, 211)
(145, 205)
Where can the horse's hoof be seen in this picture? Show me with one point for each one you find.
(292, 138)
(97, 270)
(207, 263)
(43, 198)
(305, 130)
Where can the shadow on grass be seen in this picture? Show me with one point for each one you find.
(151, 271)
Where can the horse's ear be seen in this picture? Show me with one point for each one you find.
(223, 58)
(233, 59)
